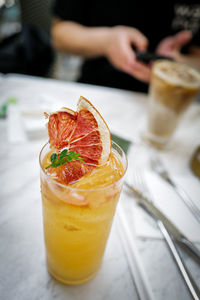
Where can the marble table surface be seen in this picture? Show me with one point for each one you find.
(23, 273)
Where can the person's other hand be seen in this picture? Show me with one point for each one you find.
(171, 46)
(119, 52)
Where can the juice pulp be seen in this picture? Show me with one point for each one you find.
(77, 220)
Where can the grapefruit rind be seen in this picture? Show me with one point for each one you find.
(84, 104)
(63, 109)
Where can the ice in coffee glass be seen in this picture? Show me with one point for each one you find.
(173, 87)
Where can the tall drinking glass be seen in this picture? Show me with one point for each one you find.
(173, 87)
(77, 221)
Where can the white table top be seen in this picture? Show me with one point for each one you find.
(23, 274)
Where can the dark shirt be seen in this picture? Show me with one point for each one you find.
(155, 19)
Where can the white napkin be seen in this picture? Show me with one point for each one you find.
(25, 120)
(15, 129)
(22, 127)
(166, 199)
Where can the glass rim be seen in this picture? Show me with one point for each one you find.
(190, 68)
(82, 189)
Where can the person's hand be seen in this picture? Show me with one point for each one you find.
(119, 52)
(171, 46)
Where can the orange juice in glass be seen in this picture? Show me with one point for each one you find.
(78, 214)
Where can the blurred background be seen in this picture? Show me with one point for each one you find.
(25, 32)
(118, 49)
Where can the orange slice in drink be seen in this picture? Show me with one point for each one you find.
(83, 131)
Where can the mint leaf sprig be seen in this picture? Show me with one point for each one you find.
(63, 158)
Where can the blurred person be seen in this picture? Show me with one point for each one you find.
(103, 32)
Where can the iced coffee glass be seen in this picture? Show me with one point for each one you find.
(173, 87)
(77, 217)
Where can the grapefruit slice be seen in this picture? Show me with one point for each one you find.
(83, 131)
